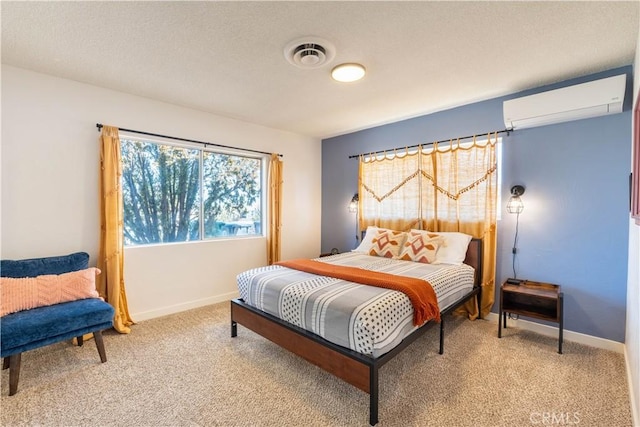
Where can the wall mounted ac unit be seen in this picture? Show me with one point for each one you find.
(576, 102)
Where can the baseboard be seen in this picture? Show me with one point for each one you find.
(164, 311)
(632, 396)
(552, 331)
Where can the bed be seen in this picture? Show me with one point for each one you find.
(317, 333)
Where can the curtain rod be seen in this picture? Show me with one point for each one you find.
(507, 131)
(99, 126)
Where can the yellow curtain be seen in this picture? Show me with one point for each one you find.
(390, 191)
(111, 260)
(464, 182)
(275, 209)
(438, 189)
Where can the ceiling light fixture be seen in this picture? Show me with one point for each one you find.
(349, 72)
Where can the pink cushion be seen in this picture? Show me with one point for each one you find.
(17, 294)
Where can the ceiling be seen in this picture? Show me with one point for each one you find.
(227, 58)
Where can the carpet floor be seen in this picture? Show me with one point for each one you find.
(186, 370)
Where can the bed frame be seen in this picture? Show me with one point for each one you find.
(355, 368)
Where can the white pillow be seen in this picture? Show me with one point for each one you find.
(365, 246)
(454, 249)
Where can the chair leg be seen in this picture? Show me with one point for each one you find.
(80, 340)
(14, 373)
(97, 335)
(5, 363)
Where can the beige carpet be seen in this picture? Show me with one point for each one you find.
(185, 370)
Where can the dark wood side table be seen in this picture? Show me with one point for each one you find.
(532, 299)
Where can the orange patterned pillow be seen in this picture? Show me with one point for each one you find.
(421, 247)
(24, 293)
(387, 243)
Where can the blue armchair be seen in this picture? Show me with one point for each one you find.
(41, 326)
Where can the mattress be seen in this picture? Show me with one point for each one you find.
(366, 319)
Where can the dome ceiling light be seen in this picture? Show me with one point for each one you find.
(349, 72)
(309, 52)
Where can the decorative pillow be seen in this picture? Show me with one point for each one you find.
(24, 293)
(40, 266)
(421, 247)
(454, 248)
(387, 243)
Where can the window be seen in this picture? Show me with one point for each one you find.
(174, 193)
(467, 210)
(418, 189)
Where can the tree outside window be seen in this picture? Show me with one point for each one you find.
(177, 194)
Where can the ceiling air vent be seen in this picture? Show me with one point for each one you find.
(309, 52)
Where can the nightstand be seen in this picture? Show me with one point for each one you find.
(532, 299)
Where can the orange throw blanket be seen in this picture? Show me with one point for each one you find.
(420, 293)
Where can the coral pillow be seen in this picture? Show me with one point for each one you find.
(421, 247)
(387, 243)
(24, 293)
(453, 249)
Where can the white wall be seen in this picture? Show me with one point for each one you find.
(632, 338)
(50, 160)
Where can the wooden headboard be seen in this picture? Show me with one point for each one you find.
(474, 259)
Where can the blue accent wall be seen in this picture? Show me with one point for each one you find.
(574, 229)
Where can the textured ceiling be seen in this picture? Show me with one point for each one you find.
(227, 57)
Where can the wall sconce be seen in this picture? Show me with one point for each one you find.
(515, 204)
(353, 208)
(353, 205)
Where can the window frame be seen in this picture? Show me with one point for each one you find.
(202, 148)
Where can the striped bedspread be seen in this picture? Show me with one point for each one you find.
(366, 319)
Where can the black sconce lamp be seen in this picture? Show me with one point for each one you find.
(515, 204)
(353, 205)
(353, 208)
